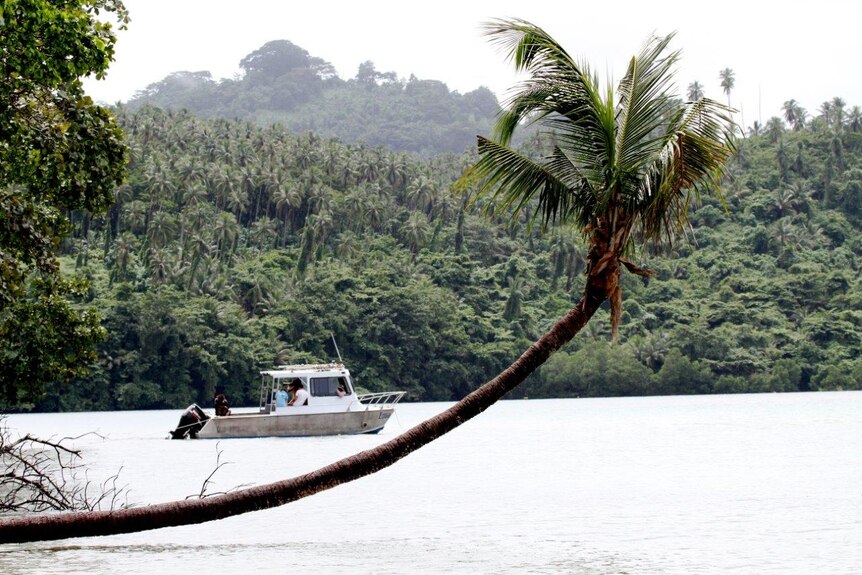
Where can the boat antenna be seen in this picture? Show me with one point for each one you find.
(332, 335)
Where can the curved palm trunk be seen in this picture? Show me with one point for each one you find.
(187, 512)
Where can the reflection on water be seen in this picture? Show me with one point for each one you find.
(715, 484)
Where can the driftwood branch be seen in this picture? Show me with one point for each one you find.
(39, 475)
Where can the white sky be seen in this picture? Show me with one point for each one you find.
(778, 50)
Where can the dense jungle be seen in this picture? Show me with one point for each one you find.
(264, 214)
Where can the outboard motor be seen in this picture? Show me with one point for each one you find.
(191, 422)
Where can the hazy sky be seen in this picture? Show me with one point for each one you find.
(808, 51)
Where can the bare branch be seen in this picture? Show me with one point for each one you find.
(38, 475)
(205, 486)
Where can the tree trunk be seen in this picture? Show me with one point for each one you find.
(600, 283)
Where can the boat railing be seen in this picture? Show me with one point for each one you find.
(382, 398)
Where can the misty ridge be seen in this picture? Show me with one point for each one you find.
(282, 83)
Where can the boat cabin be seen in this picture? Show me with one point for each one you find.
(327, 385)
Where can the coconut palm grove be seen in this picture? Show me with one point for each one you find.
(235, 244)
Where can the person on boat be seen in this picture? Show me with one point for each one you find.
(282, 397)
(222, 408)
(300, 396)
(340, 392)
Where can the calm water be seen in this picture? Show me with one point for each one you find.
(712, 484)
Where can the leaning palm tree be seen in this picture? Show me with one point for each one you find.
(625, 167)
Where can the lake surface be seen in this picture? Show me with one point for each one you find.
(707, 484)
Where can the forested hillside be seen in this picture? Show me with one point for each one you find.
(283, 83)
(234, 247)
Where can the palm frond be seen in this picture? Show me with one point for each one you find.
(692, 160)
(511, 181)
(645, 94)
(585, 188)
(556, 83)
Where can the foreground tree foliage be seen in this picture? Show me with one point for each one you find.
(58, 152)
(624, 164)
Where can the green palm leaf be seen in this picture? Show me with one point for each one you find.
(506, 171)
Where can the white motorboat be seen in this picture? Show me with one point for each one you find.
(333, 408)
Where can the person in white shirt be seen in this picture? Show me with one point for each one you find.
(300, 396)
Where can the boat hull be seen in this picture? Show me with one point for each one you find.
(296, 425)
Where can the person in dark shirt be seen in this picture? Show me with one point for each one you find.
(221, 405)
